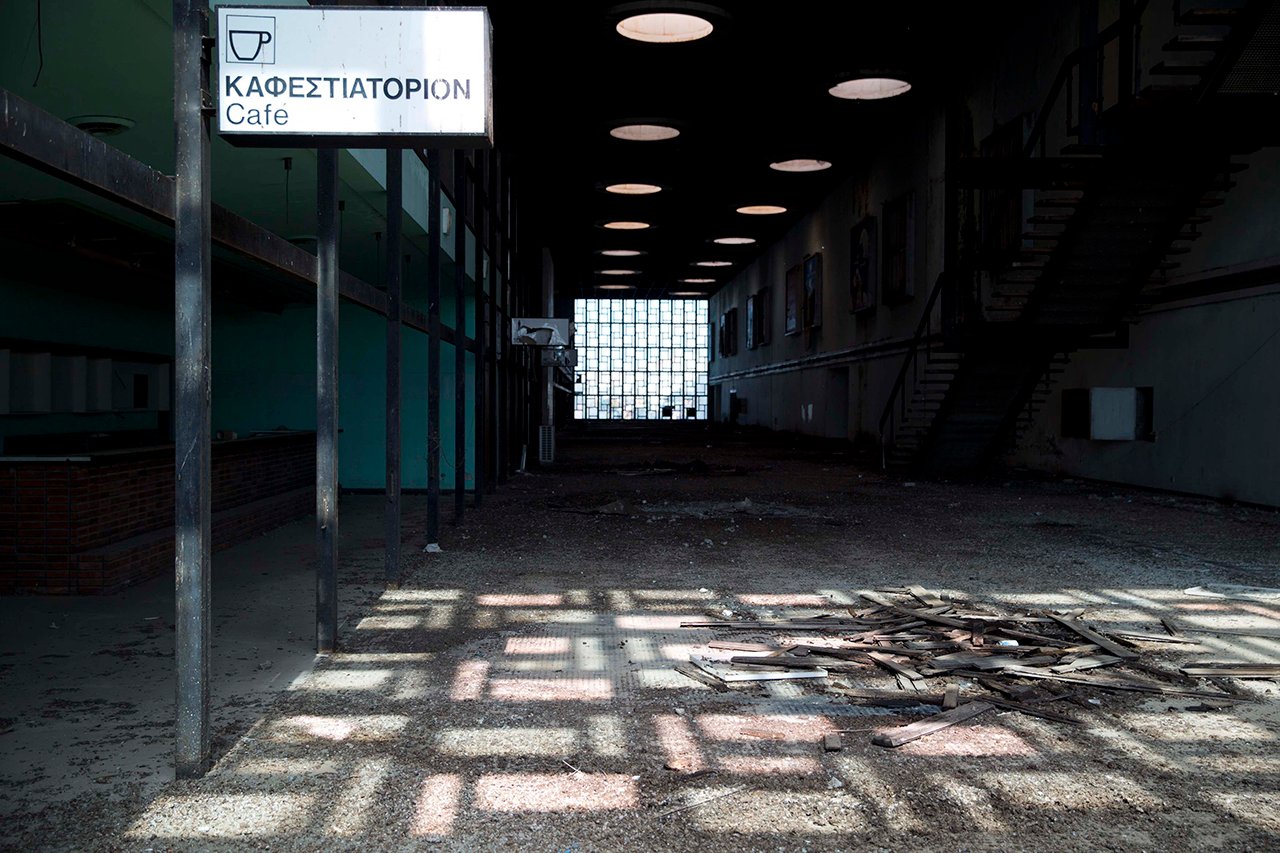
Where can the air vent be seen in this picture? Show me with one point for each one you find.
(546, 444)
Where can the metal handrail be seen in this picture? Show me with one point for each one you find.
(923, 334)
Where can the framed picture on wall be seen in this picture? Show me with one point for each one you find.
(813, 291)
(751, 321)
(794, 296)
(862, 266)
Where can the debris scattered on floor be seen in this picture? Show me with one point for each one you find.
(1021, 662)
(433, 548)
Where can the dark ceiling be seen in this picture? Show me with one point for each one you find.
(753, 92)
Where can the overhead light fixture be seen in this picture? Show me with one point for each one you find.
(688, 293)
(644, 132)
(633, 189)
(615, 287)
(664, 27)
(713, 263)
(621, 253)
(102, 125)
(697, 281)
(801, 165)
(617, 272)
(734, 241)
(762, 209)
(870, 88)
(625, 225)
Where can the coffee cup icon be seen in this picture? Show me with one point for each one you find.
(247, 44)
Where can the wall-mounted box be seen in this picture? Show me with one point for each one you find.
(1107, 414)
(30, 382)
(139, 386)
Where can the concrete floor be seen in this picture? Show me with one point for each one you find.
(517, 691)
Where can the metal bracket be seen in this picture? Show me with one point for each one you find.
(206, 104)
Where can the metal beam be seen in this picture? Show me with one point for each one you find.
(327, 400)
(192, 265)
(395, 267)
(45, 142)
(433, 345)
(460, 324)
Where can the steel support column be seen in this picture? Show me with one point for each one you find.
(327, 400)
(192, 256)
(433, 345)
(481, 216)
(460, 326)
(395, 267)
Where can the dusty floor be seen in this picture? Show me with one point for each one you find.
(517, 691)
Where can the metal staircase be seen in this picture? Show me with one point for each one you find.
(1107, 215)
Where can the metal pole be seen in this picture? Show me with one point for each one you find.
(395, 205)
(192, 428)
(327, 400)
(433, 345)
(460, 335)
(481, 420)
(490, 328)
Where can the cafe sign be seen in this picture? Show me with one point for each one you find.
(354, 77)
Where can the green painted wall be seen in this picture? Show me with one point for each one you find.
(263, 374)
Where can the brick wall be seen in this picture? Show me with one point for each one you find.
(99, 525)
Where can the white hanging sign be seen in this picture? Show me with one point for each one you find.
(354, 77)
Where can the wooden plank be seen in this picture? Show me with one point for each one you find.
(932, 725)
(886, 698)
(1088, 662)
(1170, 626)
(890, 664)
(1233, 670)
(1155, 638)
(730, 674)
(1103, 683)
(860, 649)
(926, 597)
(1094, 637)
(951, 698)
(744, 647)
(702, 677)
(832, 742)
(1032, 711)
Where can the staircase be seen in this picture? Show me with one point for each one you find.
(1111, 213)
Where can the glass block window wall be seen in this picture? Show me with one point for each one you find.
(641, 359)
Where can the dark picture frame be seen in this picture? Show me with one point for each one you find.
(813, 291)
(863, 272)
(793, 295)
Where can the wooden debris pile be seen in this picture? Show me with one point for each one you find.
(1021, 663)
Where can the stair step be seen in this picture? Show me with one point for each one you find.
(1050, 219)
(1166, 69)
(1210, 17)
(1195, 43)
(1058, 202)
(1042, 235)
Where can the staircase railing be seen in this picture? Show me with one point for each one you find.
(922, 342)
(1127, 30)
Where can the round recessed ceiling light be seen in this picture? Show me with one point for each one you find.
(697, 281)
(617, 272)
(664, 27)
(800, 165)
(624, 225)
(713, 263)
(615, 287)
(102, 125)
(644, 132)
(633, 189)
(688, 293)
(762, 209)
(621, 253)
(734, 241)
(870, 88)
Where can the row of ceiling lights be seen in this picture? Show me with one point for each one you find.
(674, 27)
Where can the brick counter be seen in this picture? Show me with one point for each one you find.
(95, 523)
